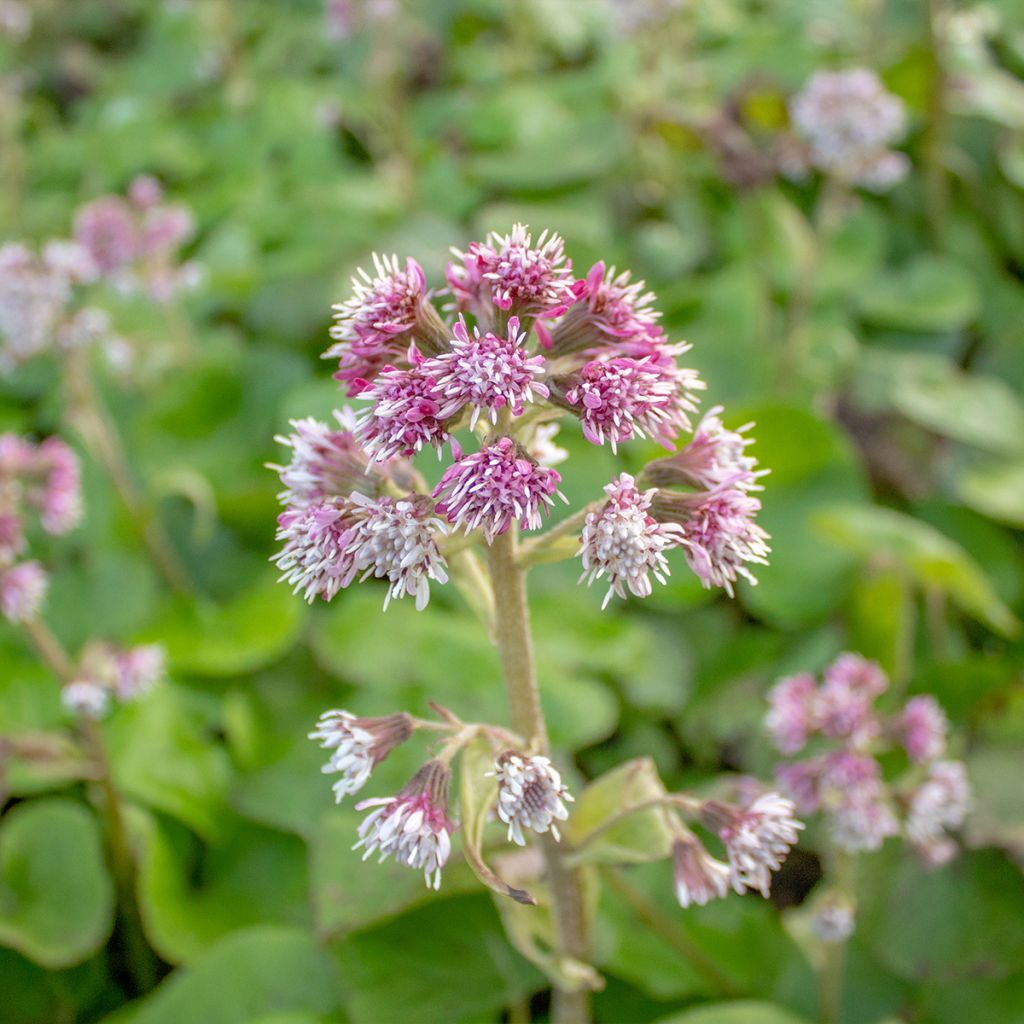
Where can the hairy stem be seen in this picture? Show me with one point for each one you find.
(514, 639)
(100, 435)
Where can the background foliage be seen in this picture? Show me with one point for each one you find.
(888, 408)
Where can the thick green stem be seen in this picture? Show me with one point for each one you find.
(843, 867)
(515, 647)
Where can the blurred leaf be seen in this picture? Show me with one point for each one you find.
(642, 836)
(741, 1012)
(237, 637)
(995, 489)
(56, 899)
(252, 876)
(933, 560)
(937, 925)
(927, 294)
(478, 974)
(249, 975)
(162, 757)
(882, 621)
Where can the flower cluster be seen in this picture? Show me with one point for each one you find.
(106, 674)
(845, 122)
(541, 347)
(134, 241)
(42, 479)
(842, 776)
(35, 295)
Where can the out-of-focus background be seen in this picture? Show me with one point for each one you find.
(880, 350)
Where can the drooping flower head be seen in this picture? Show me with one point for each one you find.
(413, 826)
(405, 414)
(358, 745)
(757, 840)
(848, 120)
(530, 795)
(514, 274)
(487, 373)
(923, 726)
(715, 457)
(720, 536)
(386, 312)
(325, 462)
(396, 540)
(699, 877)
(494, 487)
(624, 543)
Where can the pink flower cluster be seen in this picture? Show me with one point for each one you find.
(134, 241)
(540, 347)
(842, 775)
(35, 294)
(35, 478)
(106, 674)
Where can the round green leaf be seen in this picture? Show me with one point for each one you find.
(56, 899)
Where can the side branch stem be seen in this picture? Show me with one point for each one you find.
(514, 640)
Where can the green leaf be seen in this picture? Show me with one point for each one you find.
(251, 630)
(395, 972)
(881, 622)
(739, 1012)
(995, 489)
(928, 294)
(56, 899)
(938, 925)
(479, 794)
(252, 876)
(162, 757)
(249, 975)
(935, 562)
(640, 836)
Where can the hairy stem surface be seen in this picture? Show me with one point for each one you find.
(514, 639)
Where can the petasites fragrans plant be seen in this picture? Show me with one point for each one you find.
(521, 345)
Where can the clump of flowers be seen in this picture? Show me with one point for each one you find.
(135, 240)
(845, 123)
(520, 350)
(838, 728)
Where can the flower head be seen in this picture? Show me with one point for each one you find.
(939, 803)
(833, 920)
(384, 314)
(854, 794)
(108, 230)
(138, 670)
(495, 486)
(923, 726)
(487, 373)
(847, 120)
(358, 745)
(413, 826)
(719, 533)
(316, 558)
(790, 718)
(325, 462)
(512, 273)
(22, 590)
(699, 877)
(845, 704)
(60, 497)
(86, 698)
(625, 543)
(618, 398)
(757, 840)
(530, 795)
(396, 540)
(406, 414)
(715, 457)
